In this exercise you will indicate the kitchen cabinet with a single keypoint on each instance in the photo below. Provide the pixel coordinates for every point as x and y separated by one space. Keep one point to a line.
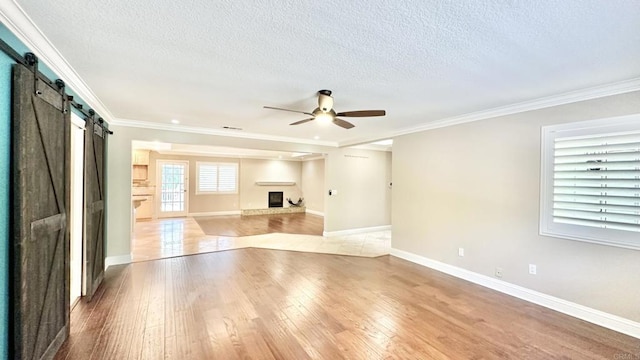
140 157
140 160
140 172
146 208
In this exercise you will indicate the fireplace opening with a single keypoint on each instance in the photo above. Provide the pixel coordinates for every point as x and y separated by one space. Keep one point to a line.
276 199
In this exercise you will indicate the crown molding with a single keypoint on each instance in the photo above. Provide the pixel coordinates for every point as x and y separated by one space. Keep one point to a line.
595 92
217 132
19 23
369 146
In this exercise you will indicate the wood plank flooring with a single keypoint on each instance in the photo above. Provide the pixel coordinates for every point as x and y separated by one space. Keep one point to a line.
236 225
269 304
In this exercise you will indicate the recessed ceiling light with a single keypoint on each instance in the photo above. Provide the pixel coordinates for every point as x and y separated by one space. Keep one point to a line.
279 156
316 137
174 121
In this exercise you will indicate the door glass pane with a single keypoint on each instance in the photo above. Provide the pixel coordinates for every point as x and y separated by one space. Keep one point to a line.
172 187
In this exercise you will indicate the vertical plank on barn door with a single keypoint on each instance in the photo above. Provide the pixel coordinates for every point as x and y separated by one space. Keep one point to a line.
94 154
40 180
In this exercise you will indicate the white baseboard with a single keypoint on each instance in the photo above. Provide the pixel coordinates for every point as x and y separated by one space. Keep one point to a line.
582 312
313 212
355 231
117 260
215 213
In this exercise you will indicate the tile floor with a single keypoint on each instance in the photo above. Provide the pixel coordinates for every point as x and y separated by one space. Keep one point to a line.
163 238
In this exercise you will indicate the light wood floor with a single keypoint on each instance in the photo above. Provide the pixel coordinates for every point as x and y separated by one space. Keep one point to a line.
236 225
271 304
165 238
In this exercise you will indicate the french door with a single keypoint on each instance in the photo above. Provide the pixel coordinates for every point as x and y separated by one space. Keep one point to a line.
173 188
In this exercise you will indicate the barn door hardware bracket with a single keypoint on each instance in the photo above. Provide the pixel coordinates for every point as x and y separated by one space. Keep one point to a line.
31 60
101 122
61 87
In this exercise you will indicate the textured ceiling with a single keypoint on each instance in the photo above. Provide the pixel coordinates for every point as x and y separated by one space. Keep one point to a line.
216 63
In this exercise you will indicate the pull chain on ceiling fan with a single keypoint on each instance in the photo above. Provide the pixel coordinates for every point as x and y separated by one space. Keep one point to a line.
325 112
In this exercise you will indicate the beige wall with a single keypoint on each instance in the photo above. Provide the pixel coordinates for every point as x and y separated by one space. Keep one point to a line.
477 186
313 188
198 203
362 179
254 196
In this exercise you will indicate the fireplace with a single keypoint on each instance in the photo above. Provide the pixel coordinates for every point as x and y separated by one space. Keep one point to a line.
276 199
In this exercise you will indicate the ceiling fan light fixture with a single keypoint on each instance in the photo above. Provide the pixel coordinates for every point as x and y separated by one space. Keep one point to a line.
324 113
324 118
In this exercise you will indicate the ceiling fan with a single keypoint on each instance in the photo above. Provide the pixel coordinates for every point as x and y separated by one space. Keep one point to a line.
325 113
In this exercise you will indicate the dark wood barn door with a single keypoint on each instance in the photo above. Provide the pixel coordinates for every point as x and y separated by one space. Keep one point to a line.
94 162
39 217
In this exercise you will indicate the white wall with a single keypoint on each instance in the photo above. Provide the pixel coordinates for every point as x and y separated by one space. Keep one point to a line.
477 186
253 196
313 185
362 179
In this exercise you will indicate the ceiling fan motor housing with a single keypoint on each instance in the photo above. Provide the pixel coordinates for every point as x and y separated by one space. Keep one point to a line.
325 101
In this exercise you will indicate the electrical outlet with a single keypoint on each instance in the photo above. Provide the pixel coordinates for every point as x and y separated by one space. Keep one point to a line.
460 251
533 269
498 272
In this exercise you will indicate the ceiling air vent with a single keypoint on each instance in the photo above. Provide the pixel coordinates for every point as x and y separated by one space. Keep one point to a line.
231 128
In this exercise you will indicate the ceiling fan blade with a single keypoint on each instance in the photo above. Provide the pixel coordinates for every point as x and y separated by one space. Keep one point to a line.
362 113
295 111
301 121
343 123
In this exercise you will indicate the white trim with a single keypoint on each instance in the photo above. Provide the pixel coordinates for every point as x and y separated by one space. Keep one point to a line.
218 132
355 231
215 213
313 212
595 92
582 312
117 260
19 23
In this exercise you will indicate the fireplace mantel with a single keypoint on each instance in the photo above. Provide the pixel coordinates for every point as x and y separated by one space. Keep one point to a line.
275 183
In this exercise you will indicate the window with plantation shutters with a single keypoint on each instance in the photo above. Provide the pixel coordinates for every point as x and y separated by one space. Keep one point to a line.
216 178
591 181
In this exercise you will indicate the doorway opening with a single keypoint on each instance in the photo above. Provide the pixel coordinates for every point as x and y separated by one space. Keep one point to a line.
77 198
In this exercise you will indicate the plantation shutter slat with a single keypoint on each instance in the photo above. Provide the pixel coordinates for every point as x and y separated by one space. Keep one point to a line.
208 177
597 181
227 178
217 177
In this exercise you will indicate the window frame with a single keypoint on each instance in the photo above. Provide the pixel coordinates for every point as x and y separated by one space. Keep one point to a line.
602 236
217 165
